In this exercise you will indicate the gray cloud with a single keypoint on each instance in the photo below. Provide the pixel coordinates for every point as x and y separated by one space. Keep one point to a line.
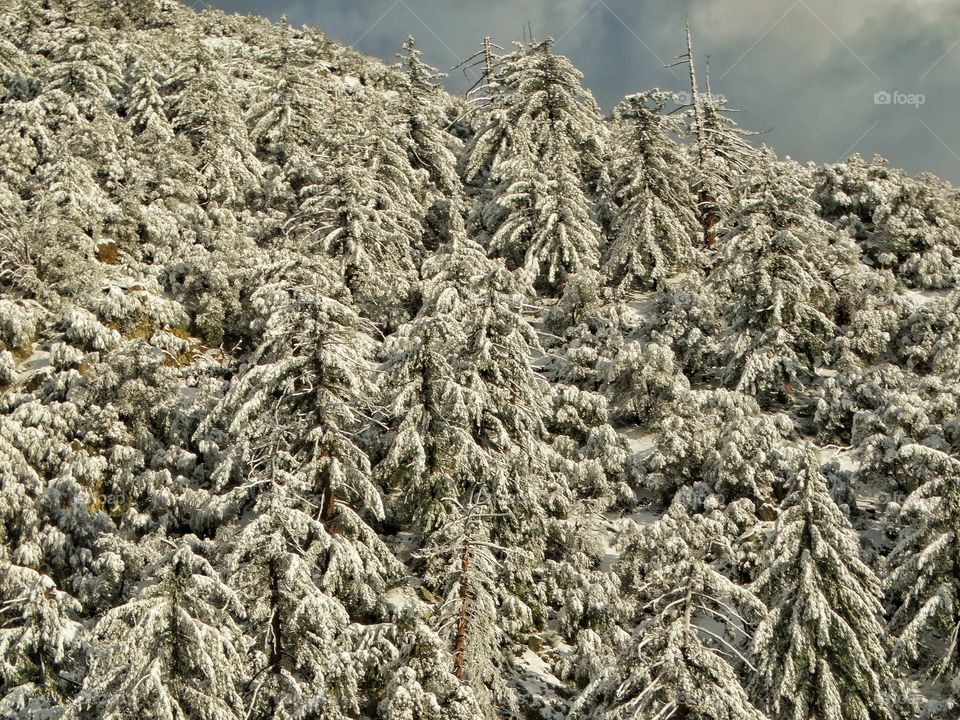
806 71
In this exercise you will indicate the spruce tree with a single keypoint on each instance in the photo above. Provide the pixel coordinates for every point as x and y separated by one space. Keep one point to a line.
925 571
655 221
540 156
820 651
684 658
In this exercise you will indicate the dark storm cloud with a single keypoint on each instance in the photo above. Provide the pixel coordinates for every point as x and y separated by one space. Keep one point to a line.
805 71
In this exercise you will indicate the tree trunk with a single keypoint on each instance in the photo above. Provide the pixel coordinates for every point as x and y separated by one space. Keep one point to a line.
276 649
460 638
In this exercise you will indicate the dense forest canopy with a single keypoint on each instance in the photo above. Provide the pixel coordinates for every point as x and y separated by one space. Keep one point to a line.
327 394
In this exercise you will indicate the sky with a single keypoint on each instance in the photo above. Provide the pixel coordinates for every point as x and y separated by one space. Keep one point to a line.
820 79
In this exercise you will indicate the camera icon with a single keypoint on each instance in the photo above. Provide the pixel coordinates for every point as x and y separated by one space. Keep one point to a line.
882 98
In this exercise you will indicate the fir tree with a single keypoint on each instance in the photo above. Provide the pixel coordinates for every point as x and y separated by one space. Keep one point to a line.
676 665
820 651
925 566
655 221
172 651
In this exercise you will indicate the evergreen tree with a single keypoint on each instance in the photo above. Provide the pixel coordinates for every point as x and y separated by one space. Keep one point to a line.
173 651
820 651
40 642
541 154
655 220
925 567
777 279
677 664
363 213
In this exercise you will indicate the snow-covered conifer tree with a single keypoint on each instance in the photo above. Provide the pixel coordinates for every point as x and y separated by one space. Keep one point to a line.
294 101
40 641
173 650
684 658
467 615
655 220
820 651
776 280
542 153
925 572
357 205
421 112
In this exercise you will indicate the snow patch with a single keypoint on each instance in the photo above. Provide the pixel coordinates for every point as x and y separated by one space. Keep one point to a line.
843 456
640 441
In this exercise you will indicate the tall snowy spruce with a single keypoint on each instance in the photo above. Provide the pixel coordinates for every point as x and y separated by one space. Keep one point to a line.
655 224
538 158
925 573
357 206
173 651
778 280
687 651
819 652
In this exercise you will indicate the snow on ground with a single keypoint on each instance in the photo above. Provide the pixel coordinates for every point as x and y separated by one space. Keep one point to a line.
39 361
843 456
642 303
645 517
925 297
641 441
538 689
930 698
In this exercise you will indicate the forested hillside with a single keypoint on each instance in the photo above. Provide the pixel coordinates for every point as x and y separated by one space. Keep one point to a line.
326 394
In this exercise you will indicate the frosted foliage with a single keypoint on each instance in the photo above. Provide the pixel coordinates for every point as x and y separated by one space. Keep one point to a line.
688 645
720 438
328 394
542 149
929 338
777 266
40 640
172 651
911 226
294 408
925 567
819 652
655 224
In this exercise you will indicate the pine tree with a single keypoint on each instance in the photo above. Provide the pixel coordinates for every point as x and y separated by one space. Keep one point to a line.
40 642
294 101
467 614
205 108
677 665
172 651
363 213
541 154
720 153
820 651
925 567
777 279
430 455
655 221
300 633
296 409
421 115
